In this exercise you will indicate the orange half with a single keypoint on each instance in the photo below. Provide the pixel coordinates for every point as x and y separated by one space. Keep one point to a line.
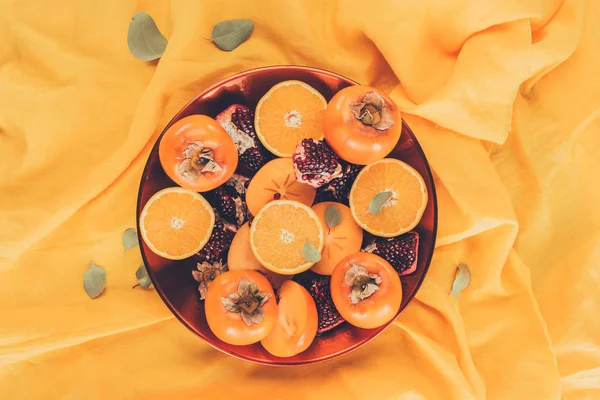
278 235
403 211
176 223
289 112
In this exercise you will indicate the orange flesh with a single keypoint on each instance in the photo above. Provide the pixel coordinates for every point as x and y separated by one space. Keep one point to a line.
289 112
176 223
278 235
403 211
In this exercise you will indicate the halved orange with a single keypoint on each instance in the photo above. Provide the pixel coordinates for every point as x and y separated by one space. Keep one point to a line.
406 203
289 112
176 223
279 234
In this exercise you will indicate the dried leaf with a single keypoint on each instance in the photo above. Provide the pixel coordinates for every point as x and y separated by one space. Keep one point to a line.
310 252
462 280
333 216
144 39
228 35
94 279
379 201
231 302
142 277
130 239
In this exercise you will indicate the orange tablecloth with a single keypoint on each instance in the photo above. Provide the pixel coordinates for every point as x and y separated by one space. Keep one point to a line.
502 94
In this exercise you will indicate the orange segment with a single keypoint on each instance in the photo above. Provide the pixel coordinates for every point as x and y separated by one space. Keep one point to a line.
276 181
176 223
289 112
340 240
279 232
406 206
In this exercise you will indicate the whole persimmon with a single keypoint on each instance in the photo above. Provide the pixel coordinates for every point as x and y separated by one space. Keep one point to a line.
362 124
197 153
343 236
296 325
366 290
240 307
276 181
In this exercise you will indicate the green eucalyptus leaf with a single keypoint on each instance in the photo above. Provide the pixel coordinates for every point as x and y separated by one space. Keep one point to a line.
144 39
462 280
310 253
130 239
333 216
228 35
379 201
94 279
143 278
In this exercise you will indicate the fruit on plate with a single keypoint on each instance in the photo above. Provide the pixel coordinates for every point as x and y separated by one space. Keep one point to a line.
289 112
388 198
238 121
366 290
320 290
197 153
229 200
240 256
176 223
217 246
401 252
362 124
282 235
296 324
339 188
343 236
240 307
275 181
315 162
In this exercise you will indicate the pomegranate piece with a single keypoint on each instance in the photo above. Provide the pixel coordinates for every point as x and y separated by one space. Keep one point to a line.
339 188
315 163
229 200
238 121
319 289
218 244
401 252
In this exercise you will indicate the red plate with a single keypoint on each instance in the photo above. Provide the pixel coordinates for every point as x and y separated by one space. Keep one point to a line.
173 279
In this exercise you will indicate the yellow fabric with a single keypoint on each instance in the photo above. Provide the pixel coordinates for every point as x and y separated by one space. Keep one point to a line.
502 94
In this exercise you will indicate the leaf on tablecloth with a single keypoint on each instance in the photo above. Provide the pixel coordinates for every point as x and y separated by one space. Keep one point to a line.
143 278
130 239
144 39
94 279
228 35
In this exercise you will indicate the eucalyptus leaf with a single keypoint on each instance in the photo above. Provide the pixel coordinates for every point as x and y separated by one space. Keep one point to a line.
379 201
144 39
310 252
462 280
333 216
94 279
228 35
130 239
142 277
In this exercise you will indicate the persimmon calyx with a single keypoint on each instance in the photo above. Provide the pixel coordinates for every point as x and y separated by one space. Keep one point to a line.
247 301
205 274
198 160
363 284
372 110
